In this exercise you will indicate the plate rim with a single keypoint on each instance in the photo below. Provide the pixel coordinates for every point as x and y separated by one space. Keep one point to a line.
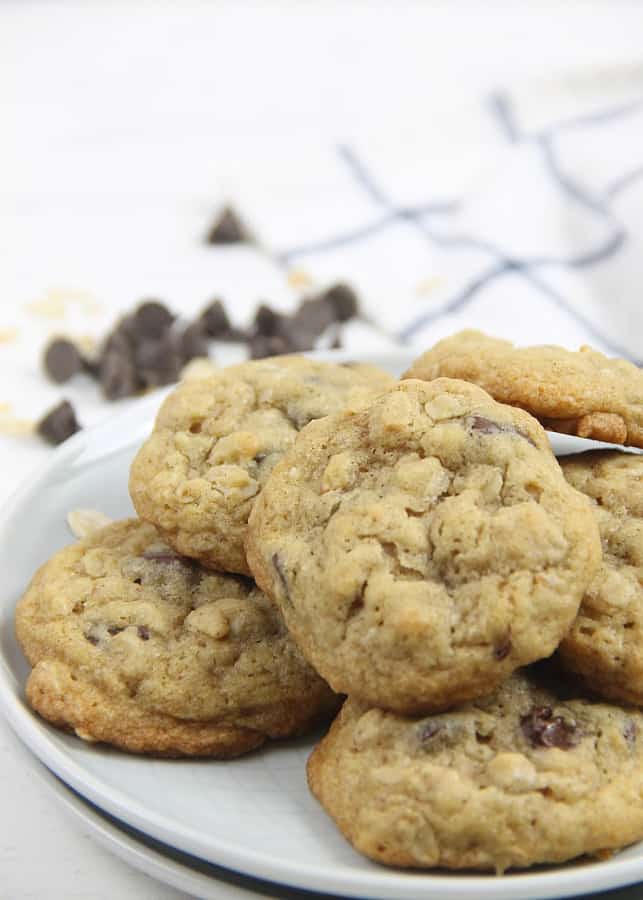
381 883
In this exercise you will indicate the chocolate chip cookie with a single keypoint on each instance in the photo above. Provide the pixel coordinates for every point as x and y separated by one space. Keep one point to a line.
582 393
424 547
216 441
524 776
605 644
136 646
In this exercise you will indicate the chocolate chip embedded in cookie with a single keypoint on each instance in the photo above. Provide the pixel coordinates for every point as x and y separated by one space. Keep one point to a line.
136 646
605 643
582 393
424 547
524 776
216 441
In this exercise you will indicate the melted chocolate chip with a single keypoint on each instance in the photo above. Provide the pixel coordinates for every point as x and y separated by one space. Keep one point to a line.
143 632
62 360
228 229
428 730
503 649
115 629
92 639
279 569
482 425
630 731
58 424
542 729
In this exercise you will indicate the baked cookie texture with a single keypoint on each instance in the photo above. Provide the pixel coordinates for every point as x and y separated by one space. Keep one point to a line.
423 548
605 643
524 776
216 441
135 646
582 393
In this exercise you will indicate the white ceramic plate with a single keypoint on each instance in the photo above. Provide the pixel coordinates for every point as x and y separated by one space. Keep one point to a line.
253 815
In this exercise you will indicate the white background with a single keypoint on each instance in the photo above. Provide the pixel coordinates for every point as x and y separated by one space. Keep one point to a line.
124 125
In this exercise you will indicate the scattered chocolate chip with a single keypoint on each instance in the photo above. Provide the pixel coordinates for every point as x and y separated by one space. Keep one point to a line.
503 649
630 731
259 346
192 342
158 361
58 424
482 425
337 342
428 730
266 321
315 315
228 229
115 629
62 360
153 319
279 569
344 300
215 319
143 632
118 375
543 729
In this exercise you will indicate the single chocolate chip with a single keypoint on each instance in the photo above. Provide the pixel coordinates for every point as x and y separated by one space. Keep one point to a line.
62 360
118 375
482 425
115 629
58 424
266 321
279 569
630 732
143 632
158 361
428 730
315 315
503 649
215 319
543 729
344 300
228 229
152 319
192 342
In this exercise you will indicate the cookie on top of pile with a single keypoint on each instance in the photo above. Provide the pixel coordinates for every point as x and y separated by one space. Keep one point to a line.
425 549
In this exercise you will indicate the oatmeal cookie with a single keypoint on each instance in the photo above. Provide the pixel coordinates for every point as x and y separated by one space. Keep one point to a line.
527 775
582 393
605 644
217 439
423 548
138 647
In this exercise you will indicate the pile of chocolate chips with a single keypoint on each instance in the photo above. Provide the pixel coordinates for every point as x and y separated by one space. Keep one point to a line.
148 347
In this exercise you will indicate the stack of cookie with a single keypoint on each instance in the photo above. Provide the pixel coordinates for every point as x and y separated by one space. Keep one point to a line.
417 547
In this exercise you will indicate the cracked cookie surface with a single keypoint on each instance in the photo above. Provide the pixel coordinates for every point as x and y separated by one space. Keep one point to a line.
423 548
527 775
605 643
583 393
216 440
138 647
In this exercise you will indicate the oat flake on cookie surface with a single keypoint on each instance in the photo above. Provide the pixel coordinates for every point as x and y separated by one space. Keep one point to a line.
138 647
424 547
